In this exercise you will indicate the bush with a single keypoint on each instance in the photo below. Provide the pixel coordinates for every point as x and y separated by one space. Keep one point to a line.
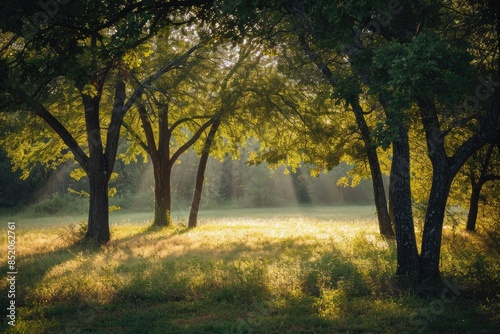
58 204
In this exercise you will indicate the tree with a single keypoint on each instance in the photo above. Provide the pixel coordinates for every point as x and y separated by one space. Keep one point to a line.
230 92
408 65
165 105
486 174
392 59
87 49
446 165
315 43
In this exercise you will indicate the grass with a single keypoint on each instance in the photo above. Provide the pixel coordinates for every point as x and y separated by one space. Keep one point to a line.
308 270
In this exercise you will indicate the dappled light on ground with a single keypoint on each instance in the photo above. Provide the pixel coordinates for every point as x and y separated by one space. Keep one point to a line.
292 273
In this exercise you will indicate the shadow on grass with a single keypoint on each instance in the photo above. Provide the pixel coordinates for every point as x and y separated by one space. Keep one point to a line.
269 286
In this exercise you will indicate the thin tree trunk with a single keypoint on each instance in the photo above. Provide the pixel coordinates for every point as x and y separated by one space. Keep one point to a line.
200 176
473 208
384 220
477 186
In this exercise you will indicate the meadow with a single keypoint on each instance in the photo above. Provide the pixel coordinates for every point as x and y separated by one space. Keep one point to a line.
286 270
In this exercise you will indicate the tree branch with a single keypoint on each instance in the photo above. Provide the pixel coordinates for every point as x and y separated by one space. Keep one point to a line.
187 119
58 127
113 134
190 142
167 67
136 136
148 131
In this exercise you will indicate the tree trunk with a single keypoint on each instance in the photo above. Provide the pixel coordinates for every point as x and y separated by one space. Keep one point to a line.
473 208
477 186
433 226
444 169
384 220
407 253
200 175
98 223
391 194
198 190
163 197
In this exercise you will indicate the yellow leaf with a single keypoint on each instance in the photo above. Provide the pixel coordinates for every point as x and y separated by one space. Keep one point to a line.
78 173
343 181
90 90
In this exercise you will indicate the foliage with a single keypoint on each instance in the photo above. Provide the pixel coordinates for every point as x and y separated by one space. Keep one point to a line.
57 204
425 67
16 192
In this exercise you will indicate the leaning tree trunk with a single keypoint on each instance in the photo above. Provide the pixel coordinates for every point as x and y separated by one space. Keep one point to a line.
407 253
98 223
473 208
384 219
200 175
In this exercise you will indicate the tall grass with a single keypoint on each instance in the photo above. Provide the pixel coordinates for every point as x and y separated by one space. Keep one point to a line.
266 273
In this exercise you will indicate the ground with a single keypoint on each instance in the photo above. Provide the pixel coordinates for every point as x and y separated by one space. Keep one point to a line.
288 270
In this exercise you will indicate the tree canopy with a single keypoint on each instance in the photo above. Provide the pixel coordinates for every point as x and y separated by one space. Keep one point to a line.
402 88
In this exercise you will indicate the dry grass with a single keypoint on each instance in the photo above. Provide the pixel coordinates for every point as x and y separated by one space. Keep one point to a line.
266 273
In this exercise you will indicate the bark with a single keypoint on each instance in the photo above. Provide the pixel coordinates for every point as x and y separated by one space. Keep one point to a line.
433 226
400 205
444 169
474 200
407 253
384 219
98 173
473 208
229 99
163 199
391 194
98 222
100 161
440 187
200 176
162 157
477 186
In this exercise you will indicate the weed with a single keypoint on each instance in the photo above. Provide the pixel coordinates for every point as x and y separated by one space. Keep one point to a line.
73 233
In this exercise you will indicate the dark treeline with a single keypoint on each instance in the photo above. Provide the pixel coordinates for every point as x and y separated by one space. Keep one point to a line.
229 183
